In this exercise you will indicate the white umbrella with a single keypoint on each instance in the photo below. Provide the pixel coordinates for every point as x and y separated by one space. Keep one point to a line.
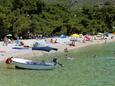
9 35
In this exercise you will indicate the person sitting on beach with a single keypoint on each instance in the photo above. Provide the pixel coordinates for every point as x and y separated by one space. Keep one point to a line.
22 44
51 41
72 44
55 41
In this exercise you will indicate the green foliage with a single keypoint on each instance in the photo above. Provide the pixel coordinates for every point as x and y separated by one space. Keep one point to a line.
63 16
21 24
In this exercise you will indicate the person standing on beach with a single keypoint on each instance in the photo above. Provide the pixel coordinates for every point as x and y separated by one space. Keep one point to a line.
5 41
17 41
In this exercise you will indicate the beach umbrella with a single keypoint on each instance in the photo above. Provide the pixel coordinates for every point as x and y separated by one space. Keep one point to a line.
75 35
62 36
9 35
100 33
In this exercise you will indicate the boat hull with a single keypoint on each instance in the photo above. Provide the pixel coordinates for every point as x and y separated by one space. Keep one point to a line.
28 64
46 48
18 47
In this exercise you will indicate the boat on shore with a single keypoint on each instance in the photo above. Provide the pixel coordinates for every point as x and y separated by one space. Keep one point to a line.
45 48
29 64
20 47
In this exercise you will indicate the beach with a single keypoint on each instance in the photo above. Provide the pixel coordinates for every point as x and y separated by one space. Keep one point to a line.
7 51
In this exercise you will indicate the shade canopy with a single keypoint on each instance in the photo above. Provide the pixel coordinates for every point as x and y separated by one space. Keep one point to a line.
75 35
9 35
62 36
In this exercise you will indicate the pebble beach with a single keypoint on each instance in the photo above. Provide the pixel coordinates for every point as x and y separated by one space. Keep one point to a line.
7 51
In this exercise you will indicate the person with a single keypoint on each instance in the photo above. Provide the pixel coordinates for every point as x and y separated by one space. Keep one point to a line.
72 43
36 44
55 60
55 41
51 40
8 62
66 54
21 44
94 55
5 41
17 41
66 51
21 37
105 40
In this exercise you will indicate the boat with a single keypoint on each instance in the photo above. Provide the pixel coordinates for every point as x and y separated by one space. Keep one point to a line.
20 47
29 64
45 48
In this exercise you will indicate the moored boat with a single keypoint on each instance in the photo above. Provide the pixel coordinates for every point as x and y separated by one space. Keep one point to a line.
29 64
45 48
20 47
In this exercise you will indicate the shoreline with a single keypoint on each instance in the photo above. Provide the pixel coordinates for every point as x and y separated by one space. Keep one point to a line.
29 53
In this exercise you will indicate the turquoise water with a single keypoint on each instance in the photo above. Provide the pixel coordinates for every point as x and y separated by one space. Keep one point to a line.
92 66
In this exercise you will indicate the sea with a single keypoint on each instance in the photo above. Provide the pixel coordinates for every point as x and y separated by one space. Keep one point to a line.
91 66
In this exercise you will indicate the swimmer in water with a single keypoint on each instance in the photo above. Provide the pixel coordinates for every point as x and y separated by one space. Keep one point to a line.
94 55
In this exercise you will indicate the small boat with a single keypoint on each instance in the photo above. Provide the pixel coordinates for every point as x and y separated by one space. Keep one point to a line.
45 48
19 47
29 64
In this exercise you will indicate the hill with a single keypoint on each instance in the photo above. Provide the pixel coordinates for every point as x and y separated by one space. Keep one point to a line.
79 3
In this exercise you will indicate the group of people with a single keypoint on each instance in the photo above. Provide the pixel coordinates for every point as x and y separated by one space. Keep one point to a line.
6 41
53 41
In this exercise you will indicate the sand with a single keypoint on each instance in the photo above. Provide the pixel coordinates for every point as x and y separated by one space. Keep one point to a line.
7 51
